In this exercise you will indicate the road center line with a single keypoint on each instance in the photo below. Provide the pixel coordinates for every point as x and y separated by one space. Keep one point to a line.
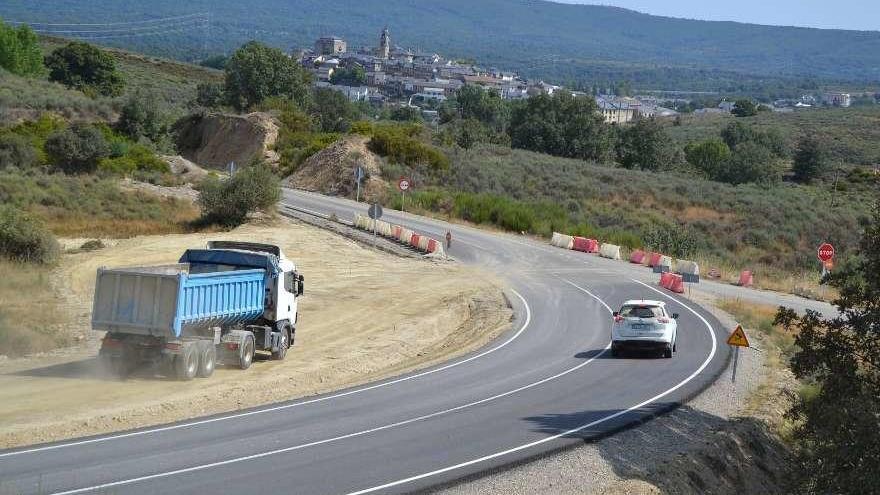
286 406
359 433
571 431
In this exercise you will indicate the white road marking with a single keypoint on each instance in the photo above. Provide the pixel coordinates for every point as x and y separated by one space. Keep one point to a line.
359 433
286 406
565 433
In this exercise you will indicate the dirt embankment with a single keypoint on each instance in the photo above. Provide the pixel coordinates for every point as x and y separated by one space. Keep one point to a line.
214 140
331 170
365 315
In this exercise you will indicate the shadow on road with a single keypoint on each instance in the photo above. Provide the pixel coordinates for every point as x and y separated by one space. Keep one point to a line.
684 451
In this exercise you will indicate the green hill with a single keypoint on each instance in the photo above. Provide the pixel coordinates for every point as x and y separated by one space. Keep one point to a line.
537 38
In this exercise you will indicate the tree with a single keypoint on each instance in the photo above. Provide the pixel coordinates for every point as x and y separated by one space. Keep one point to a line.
750 162
20 51
332 110
142 117
77 149
352 76
215 62
642 146
486 106
17 151
809 158
228 203
256 72
84 67
737 133
25 238
837 422
561 125
744 108
708 156
402 113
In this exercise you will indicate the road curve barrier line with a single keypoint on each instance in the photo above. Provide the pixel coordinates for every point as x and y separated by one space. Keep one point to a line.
565 433
287 406
349 435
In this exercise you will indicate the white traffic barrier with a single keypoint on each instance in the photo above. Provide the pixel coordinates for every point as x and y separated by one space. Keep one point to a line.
689 270
435 248
610 251
562 241
405 235
386 229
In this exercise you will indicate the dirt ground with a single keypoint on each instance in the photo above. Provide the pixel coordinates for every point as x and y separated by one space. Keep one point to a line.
365 315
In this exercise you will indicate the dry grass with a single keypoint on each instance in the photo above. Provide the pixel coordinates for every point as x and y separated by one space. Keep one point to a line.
30 318
179 220
759 317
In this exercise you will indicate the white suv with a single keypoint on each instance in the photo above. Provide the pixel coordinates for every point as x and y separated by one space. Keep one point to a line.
642 324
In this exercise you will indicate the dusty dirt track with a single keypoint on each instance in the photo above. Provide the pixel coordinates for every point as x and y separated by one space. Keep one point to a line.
366 315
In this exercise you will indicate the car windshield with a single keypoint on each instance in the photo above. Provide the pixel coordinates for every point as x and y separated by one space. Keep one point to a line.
631 311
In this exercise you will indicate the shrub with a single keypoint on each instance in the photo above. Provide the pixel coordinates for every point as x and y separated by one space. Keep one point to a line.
708 156
24 238
17 151
399 145
210 95
809 158
85 67
136 158
142 117
20 51
674 240
750 162
230 202
77 149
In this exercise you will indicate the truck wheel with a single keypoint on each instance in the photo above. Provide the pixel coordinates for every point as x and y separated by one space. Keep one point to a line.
186 365
207 359
282 346
246 353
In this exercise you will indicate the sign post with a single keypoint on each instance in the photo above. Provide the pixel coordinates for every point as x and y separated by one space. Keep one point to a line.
737 339
375 212
403 184
358 177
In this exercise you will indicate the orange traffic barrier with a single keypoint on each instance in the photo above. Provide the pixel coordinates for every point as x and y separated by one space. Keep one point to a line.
395 231
414 240
676 284
665 280
746 279
432 245
637 256
654 259
592 246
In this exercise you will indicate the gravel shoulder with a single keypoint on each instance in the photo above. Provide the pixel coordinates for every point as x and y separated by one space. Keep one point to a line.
366 315
720 442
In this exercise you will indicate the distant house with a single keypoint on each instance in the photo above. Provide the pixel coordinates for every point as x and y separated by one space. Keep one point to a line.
330 45
726 106
614 111
834 99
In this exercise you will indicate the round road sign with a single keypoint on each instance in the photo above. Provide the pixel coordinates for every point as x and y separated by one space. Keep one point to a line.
825 252
403 184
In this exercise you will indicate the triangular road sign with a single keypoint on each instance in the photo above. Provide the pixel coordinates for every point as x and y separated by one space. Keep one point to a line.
738 337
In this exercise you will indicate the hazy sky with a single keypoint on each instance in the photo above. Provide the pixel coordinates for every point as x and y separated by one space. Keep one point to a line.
842 14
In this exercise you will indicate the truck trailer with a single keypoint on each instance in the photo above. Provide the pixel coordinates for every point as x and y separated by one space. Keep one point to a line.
218 305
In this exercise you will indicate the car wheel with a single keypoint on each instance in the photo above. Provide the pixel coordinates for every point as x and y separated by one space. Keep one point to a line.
667 353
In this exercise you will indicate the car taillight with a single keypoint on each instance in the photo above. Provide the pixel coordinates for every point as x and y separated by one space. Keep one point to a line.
172 346
618 319
663 320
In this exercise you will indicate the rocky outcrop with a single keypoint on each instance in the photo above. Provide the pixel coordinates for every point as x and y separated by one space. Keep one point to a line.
215 140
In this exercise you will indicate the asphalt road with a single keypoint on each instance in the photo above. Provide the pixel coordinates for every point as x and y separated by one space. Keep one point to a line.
546 383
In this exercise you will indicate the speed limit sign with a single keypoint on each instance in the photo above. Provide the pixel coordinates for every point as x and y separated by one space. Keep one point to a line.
403 184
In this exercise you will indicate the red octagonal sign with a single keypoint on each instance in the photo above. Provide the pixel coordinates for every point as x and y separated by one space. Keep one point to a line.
826 252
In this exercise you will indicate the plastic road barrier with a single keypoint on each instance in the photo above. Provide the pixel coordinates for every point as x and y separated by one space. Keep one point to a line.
637 257
581 244
562 241
746 279
689 270
610 251
663 265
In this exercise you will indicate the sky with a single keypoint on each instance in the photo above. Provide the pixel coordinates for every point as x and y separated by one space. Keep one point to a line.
838 14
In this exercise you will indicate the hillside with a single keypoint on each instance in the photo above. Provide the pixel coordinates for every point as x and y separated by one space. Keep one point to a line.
538 38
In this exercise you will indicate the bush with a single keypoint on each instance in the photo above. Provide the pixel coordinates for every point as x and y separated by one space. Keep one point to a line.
750 162
230 202
400 146
674 240
85 67
210 95
17 151
809 158
141 117
20 51
708 156
24 238
77 149
135 158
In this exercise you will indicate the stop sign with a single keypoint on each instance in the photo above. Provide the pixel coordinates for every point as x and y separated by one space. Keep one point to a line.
825 252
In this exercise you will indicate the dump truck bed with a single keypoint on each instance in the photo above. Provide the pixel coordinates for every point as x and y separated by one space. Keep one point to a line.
168 300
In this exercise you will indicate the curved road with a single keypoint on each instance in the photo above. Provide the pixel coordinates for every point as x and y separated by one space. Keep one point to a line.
547 383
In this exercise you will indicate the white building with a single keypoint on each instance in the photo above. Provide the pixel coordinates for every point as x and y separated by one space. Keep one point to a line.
834 99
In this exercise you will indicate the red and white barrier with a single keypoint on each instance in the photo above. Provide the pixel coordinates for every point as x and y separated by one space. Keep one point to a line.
637 257
400 234
746 279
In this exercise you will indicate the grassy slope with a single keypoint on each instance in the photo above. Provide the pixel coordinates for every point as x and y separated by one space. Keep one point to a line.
853 133
744 226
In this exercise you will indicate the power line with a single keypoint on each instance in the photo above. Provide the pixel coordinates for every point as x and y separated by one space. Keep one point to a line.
195 22
129 23
131 35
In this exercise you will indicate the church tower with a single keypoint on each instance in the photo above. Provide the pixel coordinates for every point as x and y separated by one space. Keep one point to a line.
385 45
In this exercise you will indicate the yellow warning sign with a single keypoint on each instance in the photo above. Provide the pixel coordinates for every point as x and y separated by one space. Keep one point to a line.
738 337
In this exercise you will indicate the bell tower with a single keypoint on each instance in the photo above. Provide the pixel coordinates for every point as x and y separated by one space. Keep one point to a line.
385 45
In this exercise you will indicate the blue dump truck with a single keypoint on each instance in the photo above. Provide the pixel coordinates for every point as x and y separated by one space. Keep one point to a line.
218 305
